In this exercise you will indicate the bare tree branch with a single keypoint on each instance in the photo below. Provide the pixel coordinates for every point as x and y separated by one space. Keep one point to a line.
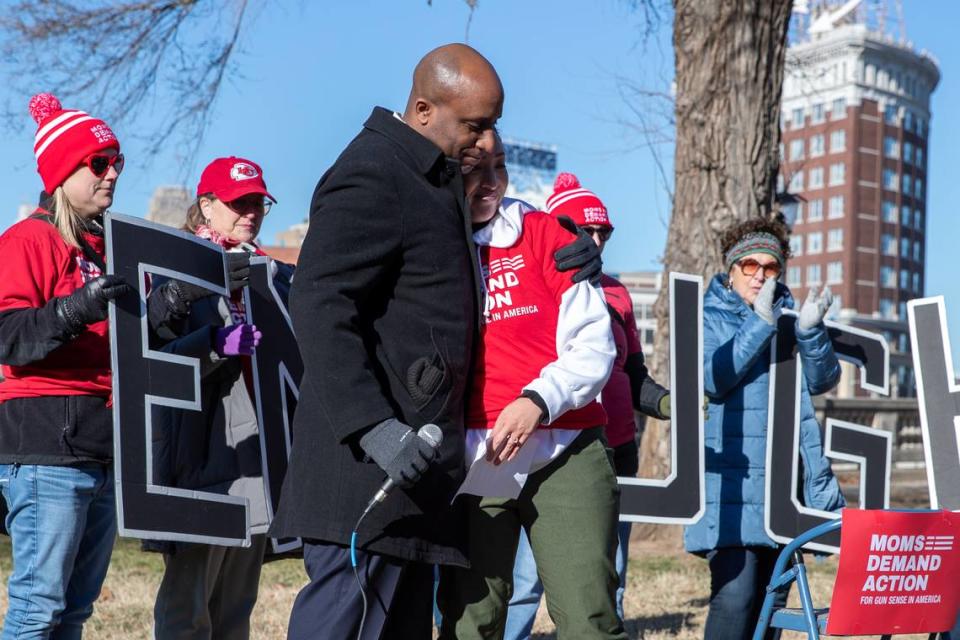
122 58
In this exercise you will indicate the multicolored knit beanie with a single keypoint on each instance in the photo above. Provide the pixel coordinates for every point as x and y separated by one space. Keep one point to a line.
754 242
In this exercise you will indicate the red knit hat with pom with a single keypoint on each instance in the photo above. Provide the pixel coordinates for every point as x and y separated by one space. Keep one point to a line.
65 137
581 205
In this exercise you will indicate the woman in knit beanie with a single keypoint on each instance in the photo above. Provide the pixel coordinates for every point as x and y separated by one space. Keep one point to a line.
741 312
56 431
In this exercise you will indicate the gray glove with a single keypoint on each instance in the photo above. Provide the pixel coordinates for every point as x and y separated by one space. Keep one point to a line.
398 450
815 308
763 305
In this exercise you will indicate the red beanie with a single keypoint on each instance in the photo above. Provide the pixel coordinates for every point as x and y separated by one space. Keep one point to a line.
582 206
65 137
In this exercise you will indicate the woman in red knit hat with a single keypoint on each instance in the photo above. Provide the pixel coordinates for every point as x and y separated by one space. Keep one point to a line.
56 431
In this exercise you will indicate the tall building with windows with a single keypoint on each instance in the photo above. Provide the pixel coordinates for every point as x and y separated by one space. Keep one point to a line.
856 125
532 168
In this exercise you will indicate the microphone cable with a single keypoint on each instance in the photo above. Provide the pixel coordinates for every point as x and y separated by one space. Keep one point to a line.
356 570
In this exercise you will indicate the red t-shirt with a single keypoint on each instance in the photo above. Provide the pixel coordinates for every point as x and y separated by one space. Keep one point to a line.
616 396
519 334
36 265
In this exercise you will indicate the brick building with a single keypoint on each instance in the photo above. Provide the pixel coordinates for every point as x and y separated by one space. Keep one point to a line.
856 123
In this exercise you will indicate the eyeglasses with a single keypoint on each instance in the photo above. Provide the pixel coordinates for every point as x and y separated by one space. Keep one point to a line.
248 204
100 163
749 267
603 233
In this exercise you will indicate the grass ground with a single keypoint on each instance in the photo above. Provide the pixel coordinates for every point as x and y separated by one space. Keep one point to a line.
666 597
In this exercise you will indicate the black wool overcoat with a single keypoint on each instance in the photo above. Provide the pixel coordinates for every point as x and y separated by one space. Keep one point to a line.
385 307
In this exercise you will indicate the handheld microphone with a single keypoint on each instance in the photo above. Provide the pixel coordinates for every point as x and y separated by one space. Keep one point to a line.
433 436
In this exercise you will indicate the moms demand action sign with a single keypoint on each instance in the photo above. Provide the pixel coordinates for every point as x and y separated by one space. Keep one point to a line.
897 573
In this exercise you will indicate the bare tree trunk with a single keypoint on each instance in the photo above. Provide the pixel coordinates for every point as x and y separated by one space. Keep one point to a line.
729 73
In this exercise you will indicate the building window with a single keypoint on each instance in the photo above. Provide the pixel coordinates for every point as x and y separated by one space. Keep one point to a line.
902 311
796 182
902 343
813 275
886 307
796 245
890 114
838 141
921 127
888 277
814 210
836 207
782 157
890 180
918 189
908 121
904 247
916 284
814 242
796 149
905 215
835 240
889 211
817 114
797 118
837 173
888 244
816 178
906 184
838 109
799 217
907 152
904 279
917 256
793 277
780 184
919 157
891 148
816 145
834 272
918 220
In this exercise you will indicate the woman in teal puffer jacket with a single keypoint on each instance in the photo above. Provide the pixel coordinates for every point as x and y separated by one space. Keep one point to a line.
740 314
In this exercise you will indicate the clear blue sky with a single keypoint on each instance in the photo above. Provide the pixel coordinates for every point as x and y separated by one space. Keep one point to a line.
310 72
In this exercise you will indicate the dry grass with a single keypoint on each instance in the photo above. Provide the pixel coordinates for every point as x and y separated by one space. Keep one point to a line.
666 599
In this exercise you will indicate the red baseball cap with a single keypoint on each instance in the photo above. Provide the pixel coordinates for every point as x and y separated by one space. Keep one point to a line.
232 178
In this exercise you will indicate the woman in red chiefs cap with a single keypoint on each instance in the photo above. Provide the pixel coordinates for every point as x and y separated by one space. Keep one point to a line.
209 591
630 388
56 432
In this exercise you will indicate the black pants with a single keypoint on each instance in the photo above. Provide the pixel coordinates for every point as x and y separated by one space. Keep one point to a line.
738 581
399 597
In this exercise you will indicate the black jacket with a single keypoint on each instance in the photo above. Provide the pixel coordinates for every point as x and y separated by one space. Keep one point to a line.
385 306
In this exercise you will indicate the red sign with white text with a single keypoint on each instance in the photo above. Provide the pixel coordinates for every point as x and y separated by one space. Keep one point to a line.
898 573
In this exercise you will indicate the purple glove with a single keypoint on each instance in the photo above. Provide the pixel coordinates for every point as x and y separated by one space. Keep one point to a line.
236 340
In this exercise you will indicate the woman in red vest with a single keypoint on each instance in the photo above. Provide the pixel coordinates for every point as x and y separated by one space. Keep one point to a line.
56 428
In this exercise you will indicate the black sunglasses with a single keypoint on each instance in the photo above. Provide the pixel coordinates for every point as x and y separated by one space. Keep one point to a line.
603 233
100 163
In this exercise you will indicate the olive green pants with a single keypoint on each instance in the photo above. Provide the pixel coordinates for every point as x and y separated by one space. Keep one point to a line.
569 510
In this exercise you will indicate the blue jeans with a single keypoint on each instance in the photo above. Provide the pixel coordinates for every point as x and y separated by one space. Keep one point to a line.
62 523
738 581
527 588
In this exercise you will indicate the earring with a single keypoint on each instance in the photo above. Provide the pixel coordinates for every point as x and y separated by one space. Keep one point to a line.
729 284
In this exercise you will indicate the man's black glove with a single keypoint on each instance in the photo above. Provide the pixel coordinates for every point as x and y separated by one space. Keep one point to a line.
88 304
582 254
398 450
238 267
